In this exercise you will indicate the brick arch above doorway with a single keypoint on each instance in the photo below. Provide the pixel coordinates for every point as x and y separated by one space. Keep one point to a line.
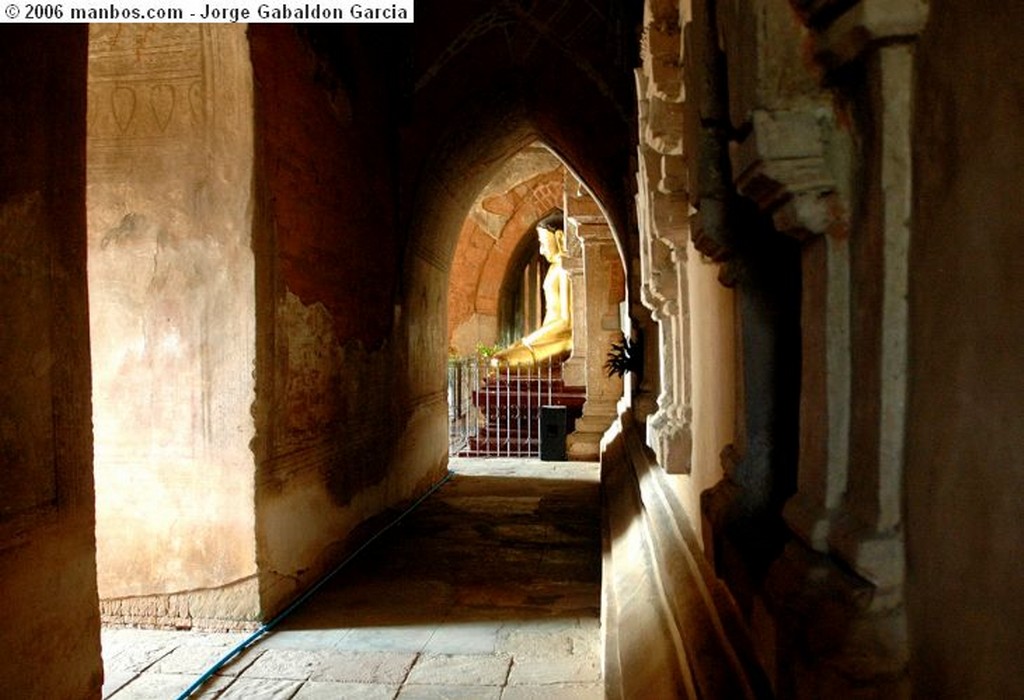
481 257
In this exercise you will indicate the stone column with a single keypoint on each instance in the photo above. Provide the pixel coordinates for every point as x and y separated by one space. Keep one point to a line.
170 173
795 162
574 370
597 323
659 298
782 166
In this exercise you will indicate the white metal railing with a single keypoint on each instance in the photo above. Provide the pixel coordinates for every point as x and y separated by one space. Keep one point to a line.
495 411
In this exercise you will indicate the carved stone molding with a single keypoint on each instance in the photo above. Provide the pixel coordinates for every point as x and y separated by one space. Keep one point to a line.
664 128
662 49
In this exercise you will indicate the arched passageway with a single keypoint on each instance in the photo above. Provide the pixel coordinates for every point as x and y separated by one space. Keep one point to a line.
329 357
497 295
233 367
497 241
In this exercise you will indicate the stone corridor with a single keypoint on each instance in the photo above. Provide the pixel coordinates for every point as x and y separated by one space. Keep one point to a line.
489 589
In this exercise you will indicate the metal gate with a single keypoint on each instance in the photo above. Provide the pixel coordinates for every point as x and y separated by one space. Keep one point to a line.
495 411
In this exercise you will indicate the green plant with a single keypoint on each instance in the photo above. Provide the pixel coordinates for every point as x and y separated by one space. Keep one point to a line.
626 355
486 351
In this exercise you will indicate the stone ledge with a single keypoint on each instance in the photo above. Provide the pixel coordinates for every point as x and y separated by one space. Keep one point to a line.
665 617
231 608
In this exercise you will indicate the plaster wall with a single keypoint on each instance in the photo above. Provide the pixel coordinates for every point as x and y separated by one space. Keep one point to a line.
713 358
49 639
172 317
965 470
341 436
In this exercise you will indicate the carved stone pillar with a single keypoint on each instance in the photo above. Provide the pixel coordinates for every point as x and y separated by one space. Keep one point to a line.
597 323
574 370
795 164
671 227
788 159
663 203
665 293
662 306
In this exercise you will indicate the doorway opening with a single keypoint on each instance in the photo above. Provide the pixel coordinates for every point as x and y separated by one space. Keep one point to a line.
509 356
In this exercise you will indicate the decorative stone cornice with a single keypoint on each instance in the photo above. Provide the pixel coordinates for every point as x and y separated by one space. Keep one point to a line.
674 174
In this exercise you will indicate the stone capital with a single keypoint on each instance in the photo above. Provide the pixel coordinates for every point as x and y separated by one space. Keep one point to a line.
663 308
593 235
867 24
782 167
580 207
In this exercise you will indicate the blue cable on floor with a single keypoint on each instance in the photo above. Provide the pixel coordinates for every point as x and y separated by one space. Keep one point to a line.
251 639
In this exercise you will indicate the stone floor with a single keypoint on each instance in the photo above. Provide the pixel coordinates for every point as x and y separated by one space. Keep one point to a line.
490 589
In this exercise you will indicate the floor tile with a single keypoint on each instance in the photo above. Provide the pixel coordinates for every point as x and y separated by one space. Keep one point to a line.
364 667
448 692
410 638
445 669
311 640
260 689
319 690
554 670
464 638
190 659
285 664
166 686
568 691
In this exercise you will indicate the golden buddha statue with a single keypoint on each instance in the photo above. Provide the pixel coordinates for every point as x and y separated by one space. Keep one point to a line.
554 337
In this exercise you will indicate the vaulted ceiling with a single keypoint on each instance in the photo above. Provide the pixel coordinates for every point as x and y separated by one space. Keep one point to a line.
471 81
562 68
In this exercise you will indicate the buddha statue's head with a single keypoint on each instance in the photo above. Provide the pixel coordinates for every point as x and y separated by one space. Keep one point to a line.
552 242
